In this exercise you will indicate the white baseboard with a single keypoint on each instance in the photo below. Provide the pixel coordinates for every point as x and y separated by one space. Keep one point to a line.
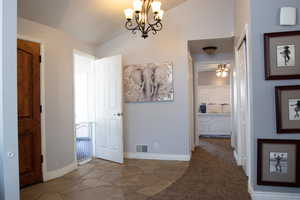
157 156
237 159
261 195
60 172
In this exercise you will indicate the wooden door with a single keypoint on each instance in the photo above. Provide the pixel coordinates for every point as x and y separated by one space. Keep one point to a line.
29 118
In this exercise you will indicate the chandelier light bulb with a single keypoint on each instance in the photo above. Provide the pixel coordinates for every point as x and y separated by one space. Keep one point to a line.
137 5
219 74
155 6
128 13
160 14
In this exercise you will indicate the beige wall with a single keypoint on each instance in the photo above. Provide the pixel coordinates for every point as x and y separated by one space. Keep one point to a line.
59 112
165 126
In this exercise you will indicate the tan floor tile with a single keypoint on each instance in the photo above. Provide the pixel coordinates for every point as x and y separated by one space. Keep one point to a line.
107 180
154 189
54 196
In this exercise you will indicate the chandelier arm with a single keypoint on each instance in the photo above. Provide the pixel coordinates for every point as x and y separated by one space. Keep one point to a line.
158 26
128 26
154 27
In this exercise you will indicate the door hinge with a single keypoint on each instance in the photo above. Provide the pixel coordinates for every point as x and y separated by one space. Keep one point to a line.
41 108
42 158
40 59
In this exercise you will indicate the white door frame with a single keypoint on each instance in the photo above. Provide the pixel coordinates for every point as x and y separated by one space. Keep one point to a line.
43 91
195 107
9 162
78 52
245 37
193 133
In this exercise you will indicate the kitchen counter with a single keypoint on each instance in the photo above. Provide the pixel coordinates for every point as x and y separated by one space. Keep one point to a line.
214 114
214 124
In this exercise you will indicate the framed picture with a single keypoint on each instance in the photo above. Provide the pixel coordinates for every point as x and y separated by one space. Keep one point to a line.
282 55
278 161
152 82
288 109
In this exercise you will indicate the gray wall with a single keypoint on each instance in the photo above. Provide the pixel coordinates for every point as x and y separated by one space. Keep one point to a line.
210 78
58 80
166 126
265 18
9 166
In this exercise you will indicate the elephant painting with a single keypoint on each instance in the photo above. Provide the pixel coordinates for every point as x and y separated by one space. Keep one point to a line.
149 82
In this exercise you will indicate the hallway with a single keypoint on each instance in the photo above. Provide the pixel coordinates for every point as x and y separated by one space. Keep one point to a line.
211 175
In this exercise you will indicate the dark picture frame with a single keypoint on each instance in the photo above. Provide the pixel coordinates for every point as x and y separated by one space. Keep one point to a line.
283 96
265 166
282 40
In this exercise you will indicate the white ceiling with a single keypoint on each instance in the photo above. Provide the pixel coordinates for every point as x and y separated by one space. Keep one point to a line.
92 21
224 45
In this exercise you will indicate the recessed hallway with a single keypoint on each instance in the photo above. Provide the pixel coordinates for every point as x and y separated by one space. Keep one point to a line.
212 174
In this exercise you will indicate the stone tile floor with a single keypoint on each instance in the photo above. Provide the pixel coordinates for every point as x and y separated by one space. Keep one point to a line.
212 174
103 180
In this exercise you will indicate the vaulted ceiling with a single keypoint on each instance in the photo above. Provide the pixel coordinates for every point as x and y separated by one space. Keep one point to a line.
92 21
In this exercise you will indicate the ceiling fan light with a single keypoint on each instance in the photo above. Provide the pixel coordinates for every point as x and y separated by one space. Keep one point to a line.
210 50
224 74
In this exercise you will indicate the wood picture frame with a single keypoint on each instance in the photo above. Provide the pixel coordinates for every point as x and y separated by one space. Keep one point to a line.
287 98
268 171
273 42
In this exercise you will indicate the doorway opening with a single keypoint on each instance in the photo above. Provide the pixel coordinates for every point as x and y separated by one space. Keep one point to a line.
98 108
84 106
221 105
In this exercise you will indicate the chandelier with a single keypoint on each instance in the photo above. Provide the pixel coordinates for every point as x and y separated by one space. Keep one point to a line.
141 19
222 71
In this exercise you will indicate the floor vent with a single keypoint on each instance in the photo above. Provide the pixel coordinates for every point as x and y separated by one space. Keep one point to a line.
141 148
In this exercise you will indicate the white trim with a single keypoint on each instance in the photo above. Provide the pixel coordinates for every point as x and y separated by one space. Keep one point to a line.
157 156
74 107
9 164
261 195
82 53
43 91
246 160
60 172
84 162
237 159
195 86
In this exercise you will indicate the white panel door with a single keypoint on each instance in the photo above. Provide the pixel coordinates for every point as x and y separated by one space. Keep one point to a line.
242 57
108 109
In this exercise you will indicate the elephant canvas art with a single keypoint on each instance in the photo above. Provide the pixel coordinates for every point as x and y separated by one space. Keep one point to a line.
148 82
